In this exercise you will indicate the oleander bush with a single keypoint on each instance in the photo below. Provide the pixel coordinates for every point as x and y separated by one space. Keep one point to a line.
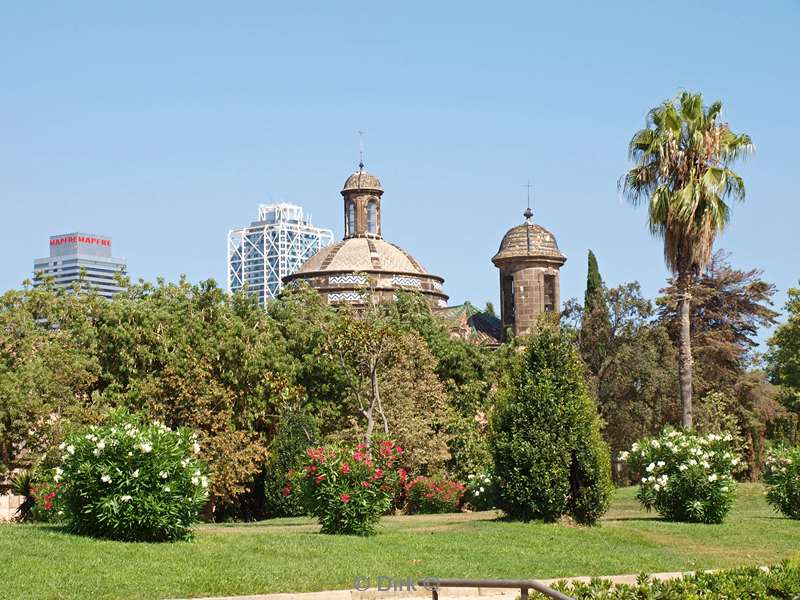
132 480
481 492
432 495
549 458
348 488
684 476
779 581
782 476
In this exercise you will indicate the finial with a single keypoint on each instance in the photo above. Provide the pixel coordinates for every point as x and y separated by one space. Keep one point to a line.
528 214
360 150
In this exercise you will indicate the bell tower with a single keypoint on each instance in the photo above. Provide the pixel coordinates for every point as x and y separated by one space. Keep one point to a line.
362 205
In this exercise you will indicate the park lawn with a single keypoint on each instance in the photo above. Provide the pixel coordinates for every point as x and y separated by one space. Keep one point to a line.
288 555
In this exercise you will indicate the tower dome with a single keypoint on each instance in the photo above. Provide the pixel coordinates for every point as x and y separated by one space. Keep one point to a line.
362 180
529 261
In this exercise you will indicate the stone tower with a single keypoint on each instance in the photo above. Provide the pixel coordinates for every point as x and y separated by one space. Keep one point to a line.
529 261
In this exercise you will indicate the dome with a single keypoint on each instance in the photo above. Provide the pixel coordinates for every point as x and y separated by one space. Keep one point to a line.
362 255
529 240
362 180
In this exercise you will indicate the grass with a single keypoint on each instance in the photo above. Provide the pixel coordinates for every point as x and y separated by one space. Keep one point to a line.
288 555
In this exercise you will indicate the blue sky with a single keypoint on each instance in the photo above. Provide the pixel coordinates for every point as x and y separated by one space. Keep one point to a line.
165 124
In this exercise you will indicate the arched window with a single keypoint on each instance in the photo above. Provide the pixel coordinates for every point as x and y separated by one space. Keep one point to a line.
350 219
372 217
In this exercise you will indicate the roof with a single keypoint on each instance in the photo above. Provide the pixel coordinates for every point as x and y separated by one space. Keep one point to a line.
472 324
529 239
362 180
361 254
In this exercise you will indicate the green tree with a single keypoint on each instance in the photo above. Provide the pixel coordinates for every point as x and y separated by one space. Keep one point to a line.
594 286
783 359
549 457
683 158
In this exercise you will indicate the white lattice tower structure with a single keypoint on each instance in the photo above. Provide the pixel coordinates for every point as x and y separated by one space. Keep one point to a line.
274 246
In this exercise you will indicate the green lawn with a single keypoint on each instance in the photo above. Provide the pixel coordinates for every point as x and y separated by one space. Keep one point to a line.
41 562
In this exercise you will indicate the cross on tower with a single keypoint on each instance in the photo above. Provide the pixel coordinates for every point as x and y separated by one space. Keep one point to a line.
528 214
360 149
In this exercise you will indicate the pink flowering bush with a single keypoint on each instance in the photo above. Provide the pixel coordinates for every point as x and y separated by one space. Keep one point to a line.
684 476
348 488
429 495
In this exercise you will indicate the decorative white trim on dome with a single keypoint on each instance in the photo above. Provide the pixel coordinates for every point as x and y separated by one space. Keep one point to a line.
438 286
442 304
407 281
345 297
347 280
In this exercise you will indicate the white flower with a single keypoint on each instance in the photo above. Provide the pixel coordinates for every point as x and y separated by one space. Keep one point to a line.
656 487
481 488
145 447
705 464
101 445
735 461
105 479
204 481
623 455
185 462
712 477
724 488
163 474
71 449
728 437
135 473
635 448
196 481
476 493
682 468
125 498
130 454
644 479
692 462
166 488
61 446
656 444
470 476
650 467
661 463
196 448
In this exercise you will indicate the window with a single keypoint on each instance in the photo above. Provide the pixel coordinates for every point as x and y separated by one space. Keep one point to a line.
507 300
350 219
372 217
549 293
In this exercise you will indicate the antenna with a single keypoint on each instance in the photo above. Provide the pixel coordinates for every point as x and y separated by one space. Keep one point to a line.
360 149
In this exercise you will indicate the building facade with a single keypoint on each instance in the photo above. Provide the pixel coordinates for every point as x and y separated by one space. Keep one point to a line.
529 261
82 257
276 245
363 261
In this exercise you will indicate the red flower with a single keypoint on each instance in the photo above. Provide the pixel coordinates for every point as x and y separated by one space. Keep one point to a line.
345 468
378 473
287 490
345 498
365 483
319 479
402 473
399 450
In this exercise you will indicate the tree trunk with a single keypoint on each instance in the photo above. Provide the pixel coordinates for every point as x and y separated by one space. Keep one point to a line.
685 346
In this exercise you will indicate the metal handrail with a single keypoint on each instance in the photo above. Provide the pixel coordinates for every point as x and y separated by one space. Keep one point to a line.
523 585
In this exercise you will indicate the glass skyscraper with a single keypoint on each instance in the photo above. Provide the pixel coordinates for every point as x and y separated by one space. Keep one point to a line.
76 255
274 246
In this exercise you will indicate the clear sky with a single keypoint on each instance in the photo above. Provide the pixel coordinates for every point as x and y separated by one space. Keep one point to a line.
164 124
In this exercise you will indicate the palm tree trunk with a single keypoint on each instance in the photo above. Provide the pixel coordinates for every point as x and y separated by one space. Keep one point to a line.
685 346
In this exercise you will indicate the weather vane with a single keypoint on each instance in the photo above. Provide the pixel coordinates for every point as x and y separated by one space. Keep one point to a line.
360 149
528 212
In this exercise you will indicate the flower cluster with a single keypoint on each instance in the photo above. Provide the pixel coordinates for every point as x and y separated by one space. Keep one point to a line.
686 477
47 506
782 476
132 480
481 492
348 488
428 495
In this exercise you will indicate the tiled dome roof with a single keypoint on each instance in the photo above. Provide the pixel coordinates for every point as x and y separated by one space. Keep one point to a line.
362 180
361 255
529 239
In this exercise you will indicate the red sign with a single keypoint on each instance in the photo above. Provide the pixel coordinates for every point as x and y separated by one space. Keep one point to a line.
80 239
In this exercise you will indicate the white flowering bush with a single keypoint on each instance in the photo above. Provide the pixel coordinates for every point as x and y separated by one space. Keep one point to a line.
782 476
132 480
685 477
481 492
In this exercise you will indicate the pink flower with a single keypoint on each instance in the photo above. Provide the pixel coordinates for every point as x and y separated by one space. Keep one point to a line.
345 498
378 473
345 468
402 473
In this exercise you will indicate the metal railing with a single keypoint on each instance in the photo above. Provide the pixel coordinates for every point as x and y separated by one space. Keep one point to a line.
523 585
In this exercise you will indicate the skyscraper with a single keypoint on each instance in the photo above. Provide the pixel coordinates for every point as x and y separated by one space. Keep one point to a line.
274 246
73 255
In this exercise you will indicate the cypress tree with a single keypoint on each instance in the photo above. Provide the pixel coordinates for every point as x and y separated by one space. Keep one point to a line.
594 286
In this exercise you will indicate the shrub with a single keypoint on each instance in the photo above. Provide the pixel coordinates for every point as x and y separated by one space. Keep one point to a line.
296 432
430 495
481 492
686 477
48 502
782 476
348 488
132 480
549 458
779 581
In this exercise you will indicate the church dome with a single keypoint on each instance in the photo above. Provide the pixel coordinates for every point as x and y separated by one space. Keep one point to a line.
529 240
362 255
362 180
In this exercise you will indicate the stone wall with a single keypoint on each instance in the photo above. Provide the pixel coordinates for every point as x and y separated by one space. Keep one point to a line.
9 505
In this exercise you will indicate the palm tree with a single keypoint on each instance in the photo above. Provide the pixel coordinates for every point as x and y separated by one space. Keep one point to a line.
682 171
